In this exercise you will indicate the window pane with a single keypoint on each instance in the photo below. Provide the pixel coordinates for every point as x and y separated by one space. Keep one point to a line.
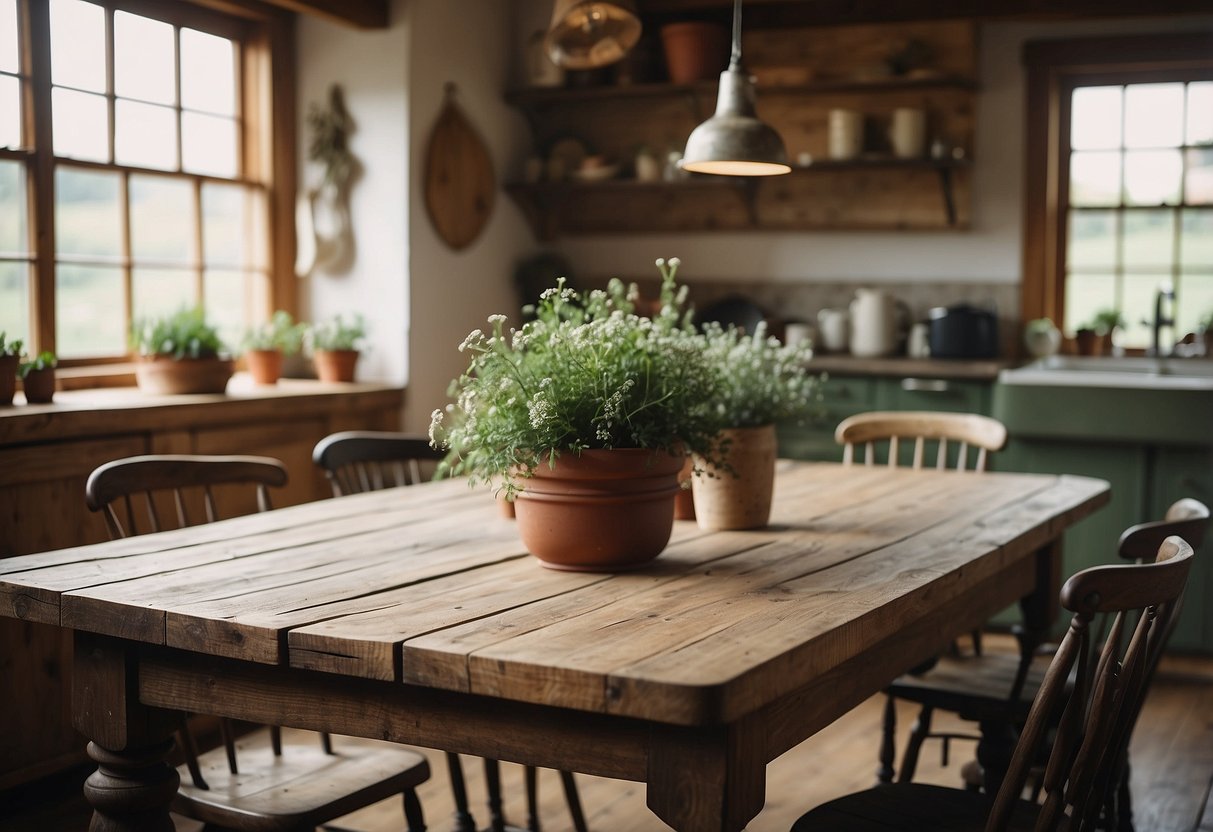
224 223
208 144
8 36
14 237
10 111
1196 240
78 45
1085 295
162 220
1152 177
1091 242
1198 180
1095 178
159 292
1154 115
14 300
1193 301
1149 240
1095 118
146 135
80 125
1200 112
208 73
223 296
144 63
87 218
80 292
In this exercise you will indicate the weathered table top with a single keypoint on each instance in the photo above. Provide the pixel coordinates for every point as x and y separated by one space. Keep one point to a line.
428 586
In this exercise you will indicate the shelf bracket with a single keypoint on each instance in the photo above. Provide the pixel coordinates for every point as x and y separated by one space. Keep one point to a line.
949 200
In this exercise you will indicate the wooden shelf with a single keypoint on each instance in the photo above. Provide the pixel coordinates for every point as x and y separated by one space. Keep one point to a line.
870 194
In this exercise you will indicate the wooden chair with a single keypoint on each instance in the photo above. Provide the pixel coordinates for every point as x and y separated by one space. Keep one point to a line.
995 689
965 429
252 782
893 427
358 461
1090 720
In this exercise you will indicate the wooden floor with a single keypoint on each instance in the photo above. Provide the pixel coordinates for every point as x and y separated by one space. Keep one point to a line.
1172 757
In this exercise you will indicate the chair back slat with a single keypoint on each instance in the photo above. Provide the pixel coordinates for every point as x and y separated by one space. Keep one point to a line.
1088 752
964 429
359 461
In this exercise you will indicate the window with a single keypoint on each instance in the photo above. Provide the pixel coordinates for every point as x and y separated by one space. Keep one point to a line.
1120 173
134 172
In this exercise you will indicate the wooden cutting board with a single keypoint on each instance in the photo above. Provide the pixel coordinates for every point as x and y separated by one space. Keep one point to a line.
459 183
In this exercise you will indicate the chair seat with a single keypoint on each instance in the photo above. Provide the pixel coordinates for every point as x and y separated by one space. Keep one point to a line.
913 807
300 789
974 687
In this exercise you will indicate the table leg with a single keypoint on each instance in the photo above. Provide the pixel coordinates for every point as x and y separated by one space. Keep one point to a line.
133 785
710 779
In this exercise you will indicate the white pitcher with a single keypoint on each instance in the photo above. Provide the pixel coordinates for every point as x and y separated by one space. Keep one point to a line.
873 324
833 325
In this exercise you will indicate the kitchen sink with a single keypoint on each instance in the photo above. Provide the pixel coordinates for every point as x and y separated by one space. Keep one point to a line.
1143 373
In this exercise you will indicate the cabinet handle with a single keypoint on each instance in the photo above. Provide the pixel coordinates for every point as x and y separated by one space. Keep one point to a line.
925 385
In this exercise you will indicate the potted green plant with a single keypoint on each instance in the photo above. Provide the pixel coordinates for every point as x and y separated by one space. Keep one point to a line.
584 417
10 361
180 353
267 344
761 382
38 378
1105 322
336 345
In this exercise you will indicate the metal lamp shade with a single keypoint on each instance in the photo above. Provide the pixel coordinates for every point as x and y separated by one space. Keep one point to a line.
734 142
586 34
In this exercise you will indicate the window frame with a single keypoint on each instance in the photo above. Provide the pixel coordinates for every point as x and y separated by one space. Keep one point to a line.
267 149
1054 69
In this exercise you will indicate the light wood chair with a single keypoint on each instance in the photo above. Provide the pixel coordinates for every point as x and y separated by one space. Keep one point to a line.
251 783
966 430
358 461
1090 719
997 688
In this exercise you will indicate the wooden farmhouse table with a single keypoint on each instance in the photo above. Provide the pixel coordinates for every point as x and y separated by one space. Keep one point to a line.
415 615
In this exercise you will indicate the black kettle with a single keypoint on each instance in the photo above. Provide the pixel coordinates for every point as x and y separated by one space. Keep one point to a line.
963 331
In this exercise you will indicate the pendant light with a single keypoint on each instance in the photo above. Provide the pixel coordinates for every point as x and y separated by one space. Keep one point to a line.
586 34
734 142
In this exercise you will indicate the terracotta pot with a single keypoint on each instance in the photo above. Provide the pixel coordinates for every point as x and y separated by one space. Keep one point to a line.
602 511
740 499
39 386
695 51
335 365
265 366
171 376
8 377
1087 342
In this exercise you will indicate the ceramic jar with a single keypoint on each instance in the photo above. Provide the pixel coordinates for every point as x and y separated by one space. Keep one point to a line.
739 498
873 324
834 327
908 133
845 134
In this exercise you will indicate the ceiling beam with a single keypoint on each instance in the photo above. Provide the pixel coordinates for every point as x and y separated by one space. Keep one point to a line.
363 14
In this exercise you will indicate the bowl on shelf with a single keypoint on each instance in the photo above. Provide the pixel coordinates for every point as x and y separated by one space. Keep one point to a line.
595 173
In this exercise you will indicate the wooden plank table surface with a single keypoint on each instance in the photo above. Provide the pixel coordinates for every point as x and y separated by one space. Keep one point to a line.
415 615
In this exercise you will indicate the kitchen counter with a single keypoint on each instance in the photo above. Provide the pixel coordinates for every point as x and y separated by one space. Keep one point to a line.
976 370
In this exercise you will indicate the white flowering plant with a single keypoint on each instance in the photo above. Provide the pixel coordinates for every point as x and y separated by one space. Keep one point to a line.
760 380
586 372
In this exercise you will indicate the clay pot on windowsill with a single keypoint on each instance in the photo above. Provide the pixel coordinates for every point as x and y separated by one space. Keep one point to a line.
265 366
1087 342
335 365
39 386
164 375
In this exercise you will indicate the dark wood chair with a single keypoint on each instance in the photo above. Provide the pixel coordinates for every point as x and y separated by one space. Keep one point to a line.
1087 705
887 430
250 783
995 689
358 461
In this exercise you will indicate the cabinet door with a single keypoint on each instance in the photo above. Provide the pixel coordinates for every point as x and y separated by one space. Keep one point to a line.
935 394
1178 473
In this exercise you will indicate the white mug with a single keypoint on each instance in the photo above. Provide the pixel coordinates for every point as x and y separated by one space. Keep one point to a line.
919 344
835 328
797 333
908 133
845 135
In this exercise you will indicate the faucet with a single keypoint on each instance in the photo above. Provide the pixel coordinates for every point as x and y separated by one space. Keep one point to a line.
1165 293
